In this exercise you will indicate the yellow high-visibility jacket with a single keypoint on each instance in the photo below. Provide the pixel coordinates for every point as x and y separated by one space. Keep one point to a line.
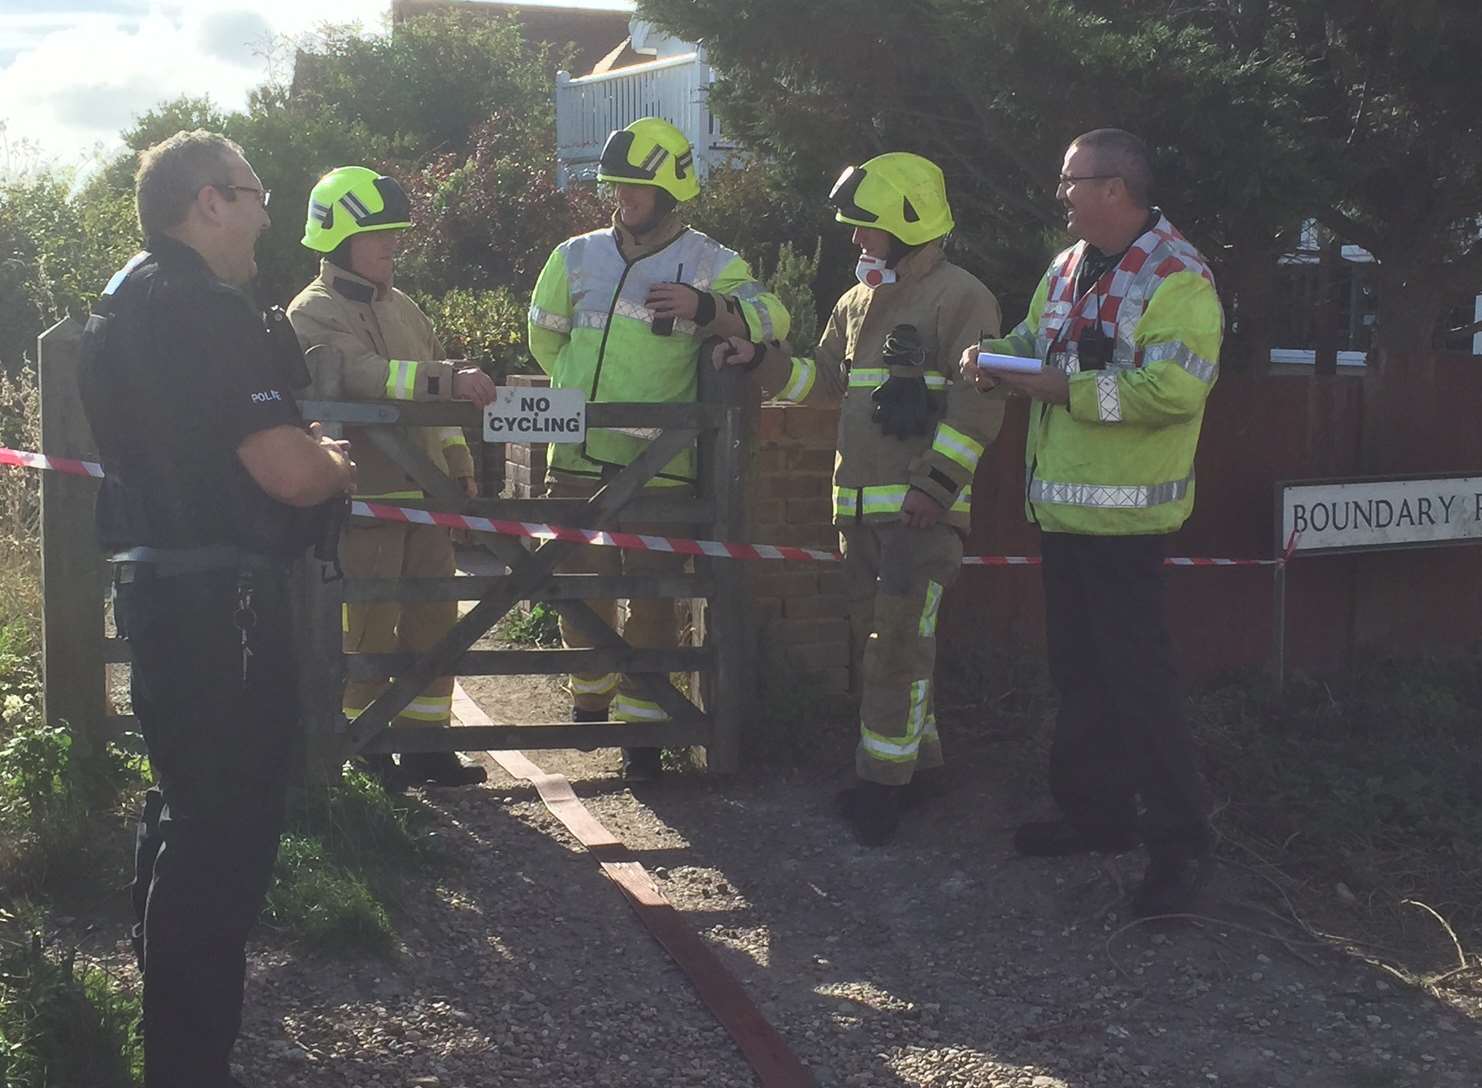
1118 459
590 330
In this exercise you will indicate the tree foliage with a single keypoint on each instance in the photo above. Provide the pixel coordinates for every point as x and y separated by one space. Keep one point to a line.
57 249
1261 113
427 88
492 215
456 106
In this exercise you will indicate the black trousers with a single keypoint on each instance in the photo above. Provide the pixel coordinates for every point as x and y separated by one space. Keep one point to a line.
219 743
1121 733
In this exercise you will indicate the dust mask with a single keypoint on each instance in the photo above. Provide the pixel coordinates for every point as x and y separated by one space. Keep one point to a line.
872 272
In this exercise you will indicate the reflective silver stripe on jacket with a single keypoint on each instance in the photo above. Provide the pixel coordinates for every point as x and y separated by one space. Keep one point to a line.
544 319
1177 352
594 268
749 293
1109 496
593 319
861 377
1108 398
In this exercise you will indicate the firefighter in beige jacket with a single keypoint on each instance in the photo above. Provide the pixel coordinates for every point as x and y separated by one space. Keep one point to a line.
910 438
388 350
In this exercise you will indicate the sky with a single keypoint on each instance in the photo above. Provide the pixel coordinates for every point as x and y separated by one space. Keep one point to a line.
74 73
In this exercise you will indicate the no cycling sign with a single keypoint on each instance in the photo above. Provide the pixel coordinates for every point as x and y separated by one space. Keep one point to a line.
536 415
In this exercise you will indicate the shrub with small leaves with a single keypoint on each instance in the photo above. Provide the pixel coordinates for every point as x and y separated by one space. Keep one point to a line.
64 1022
484 327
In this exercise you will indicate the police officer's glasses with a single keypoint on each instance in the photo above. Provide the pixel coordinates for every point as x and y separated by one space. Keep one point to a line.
1071 179
264 195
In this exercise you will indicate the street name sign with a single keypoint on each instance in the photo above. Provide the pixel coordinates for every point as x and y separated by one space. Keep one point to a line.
1379 513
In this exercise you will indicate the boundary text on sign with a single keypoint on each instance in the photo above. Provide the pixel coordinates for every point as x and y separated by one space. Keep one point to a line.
1380 513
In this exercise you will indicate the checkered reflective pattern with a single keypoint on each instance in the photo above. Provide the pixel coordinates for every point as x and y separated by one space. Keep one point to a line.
1110 496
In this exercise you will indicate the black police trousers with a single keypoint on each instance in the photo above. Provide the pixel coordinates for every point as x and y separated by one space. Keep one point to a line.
219 740
1120 734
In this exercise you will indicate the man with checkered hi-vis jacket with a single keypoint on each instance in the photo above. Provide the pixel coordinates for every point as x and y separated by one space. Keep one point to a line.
1128 325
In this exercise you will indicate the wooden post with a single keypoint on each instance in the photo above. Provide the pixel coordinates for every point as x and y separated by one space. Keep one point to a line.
317 607
72 582
728 689
1278 630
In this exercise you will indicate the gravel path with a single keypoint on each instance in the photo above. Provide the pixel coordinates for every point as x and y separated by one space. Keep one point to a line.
940 960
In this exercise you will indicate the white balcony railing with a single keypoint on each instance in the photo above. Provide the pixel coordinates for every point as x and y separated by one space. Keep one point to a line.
677 88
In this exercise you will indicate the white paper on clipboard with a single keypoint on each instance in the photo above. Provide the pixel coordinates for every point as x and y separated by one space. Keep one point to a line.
1008 364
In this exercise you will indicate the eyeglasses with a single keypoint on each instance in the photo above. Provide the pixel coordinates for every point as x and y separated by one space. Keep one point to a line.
1070 179
264 195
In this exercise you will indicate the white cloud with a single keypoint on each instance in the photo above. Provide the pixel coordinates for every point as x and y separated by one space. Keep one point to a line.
73 73
77 77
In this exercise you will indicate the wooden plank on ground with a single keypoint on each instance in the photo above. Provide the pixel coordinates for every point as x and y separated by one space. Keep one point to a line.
760 1043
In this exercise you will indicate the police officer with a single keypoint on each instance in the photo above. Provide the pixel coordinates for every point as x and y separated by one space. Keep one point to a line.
212 483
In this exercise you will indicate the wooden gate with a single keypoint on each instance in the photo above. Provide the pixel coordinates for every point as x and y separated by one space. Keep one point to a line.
75 651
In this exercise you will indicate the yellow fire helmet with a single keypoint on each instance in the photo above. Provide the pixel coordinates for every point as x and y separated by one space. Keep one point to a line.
352 200
651 151
898 192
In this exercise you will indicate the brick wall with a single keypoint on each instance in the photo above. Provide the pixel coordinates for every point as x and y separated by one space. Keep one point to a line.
799 608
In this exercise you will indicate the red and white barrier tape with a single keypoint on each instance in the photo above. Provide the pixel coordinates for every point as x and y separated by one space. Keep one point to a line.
538 530
23 459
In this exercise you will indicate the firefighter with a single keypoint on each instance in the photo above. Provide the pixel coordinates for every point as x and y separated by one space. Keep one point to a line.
388 350
620 314
910 438
1129 325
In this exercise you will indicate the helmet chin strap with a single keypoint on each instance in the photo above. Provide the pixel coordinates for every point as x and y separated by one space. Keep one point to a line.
654 219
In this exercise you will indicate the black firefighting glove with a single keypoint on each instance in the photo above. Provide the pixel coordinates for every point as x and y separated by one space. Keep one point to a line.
903 406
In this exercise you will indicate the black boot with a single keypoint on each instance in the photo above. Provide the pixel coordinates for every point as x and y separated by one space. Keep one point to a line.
925 786
1061 838
588 717
872 811
1171 886
642 764
441 769
384 770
